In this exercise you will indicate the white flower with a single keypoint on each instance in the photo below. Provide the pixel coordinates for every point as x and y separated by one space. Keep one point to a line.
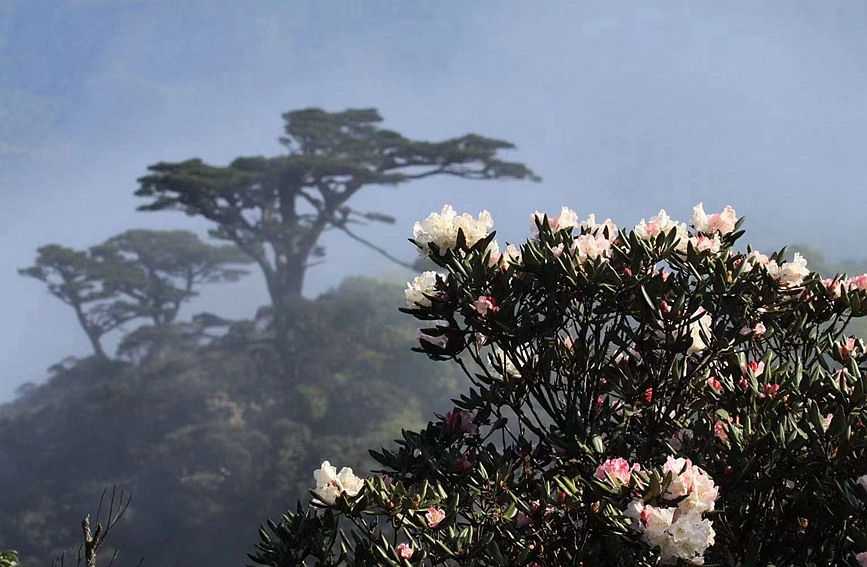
441 229
330 484
567 220
591 227
656 522
418 288
723 222
789 274
697 329
862 481
689 536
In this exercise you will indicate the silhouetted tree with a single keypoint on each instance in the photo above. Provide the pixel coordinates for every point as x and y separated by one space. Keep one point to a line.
140 273
77 279
275 209
158 270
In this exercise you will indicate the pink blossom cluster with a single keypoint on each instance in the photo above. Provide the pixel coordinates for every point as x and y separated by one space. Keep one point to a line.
679 532
462 421
616 471
434 516
837 286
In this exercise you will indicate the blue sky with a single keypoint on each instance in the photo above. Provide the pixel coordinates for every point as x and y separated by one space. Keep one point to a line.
622 107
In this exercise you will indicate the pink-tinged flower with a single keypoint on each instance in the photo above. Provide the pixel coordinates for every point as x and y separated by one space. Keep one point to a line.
826 421
851 347
523 519
440 341
703 243
769 391
723 222
834 286
485 304
755 368
463 421
665 307
648 395
618 469
862 481
567 219
567 342
590 247
858 282
714 383
404 551
558 250
434 516
756 331
861 558
658 224
624 357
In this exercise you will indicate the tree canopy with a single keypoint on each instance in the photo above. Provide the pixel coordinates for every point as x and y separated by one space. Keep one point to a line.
137 274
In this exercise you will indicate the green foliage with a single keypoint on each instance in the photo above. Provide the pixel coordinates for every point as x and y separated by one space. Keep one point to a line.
725 377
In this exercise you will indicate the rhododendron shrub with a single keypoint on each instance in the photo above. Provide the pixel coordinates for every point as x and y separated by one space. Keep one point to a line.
660 395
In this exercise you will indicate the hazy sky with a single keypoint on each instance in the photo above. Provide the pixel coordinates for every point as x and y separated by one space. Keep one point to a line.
622 107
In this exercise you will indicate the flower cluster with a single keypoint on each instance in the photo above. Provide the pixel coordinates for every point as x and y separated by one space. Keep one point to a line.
419 291
567 220
618 470
676 526
330 484
441 229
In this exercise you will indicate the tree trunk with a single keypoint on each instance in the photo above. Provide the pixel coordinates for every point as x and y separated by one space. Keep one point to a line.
285 286
93 335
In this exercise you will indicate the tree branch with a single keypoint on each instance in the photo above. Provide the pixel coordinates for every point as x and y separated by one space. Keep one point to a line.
376 248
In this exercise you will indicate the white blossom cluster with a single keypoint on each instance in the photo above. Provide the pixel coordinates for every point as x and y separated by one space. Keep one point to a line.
441 229
681 532
330 484
420 289
789 274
